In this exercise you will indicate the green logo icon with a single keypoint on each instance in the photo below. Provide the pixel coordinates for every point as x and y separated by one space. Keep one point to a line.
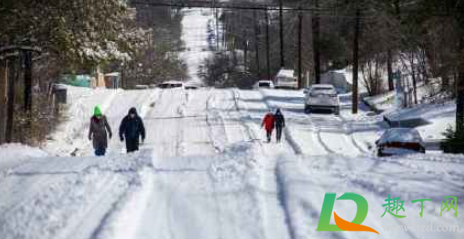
341 224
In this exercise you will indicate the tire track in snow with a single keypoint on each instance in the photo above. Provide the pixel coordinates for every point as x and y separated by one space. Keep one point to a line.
321 136
175 130
33 189
288 134
73 192
229 111
213 119
123 220
287 219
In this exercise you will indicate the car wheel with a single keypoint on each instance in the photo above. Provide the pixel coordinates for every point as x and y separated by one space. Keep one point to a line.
337 110
379 153
307 109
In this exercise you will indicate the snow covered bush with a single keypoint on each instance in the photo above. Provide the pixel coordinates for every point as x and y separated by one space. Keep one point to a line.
79 32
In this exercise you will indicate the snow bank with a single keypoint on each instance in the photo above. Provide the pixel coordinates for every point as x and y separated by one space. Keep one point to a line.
68 197
438 118
15 154
72 133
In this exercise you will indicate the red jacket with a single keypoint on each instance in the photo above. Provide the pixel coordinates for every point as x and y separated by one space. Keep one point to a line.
268 122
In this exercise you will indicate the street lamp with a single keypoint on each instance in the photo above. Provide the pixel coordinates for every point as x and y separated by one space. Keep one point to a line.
122 76
137 68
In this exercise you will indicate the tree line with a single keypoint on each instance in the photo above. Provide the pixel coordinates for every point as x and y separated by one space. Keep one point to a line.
422 38
41 40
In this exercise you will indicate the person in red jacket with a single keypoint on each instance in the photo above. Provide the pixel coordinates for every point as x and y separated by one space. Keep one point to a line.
268 124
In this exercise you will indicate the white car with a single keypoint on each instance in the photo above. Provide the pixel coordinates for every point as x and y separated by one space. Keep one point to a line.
141 87
191 87
171 84
322 97
263 84
286 79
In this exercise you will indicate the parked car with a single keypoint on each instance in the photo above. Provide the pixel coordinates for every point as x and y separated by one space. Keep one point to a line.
286 79
264 84
141 87
400 141
190 87
322 97
171 84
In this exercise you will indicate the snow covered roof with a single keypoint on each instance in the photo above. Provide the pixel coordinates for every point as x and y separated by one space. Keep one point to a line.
172 82
112 74
286 73
402 135
60 87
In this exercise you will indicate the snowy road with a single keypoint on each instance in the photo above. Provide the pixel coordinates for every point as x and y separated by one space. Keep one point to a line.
205 171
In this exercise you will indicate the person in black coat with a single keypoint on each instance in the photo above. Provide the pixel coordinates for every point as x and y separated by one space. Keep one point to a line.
131 130
279 121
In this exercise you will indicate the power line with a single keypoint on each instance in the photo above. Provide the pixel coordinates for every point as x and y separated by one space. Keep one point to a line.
225 5
324 12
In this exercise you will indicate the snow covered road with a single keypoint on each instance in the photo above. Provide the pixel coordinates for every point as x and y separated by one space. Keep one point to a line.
205 171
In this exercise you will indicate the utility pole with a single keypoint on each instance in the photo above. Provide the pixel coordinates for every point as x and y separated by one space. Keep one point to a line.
300 34
27 81
460 90
3 86
391 84
413 74
245 57
355 60
281 22
225 30
316 40
257 32
268 58
217 27
122 79
12 78
390 70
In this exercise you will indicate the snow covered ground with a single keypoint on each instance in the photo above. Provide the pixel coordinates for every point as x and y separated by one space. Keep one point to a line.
205 171
195 35
71 137
438 117
15 154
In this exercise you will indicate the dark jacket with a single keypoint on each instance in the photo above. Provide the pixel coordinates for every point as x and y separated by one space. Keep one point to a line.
132 128
279 120
98 132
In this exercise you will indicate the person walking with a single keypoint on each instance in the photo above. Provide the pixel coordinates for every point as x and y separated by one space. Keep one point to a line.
268 124
279 124
99 132
131 129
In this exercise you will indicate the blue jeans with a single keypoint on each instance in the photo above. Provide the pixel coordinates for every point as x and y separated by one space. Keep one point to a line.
100 152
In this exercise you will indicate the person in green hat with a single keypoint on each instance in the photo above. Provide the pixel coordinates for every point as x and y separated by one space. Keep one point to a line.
99 132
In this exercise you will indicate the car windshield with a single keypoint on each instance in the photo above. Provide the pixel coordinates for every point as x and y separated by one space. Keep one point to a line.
264 84
323 91
285 79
